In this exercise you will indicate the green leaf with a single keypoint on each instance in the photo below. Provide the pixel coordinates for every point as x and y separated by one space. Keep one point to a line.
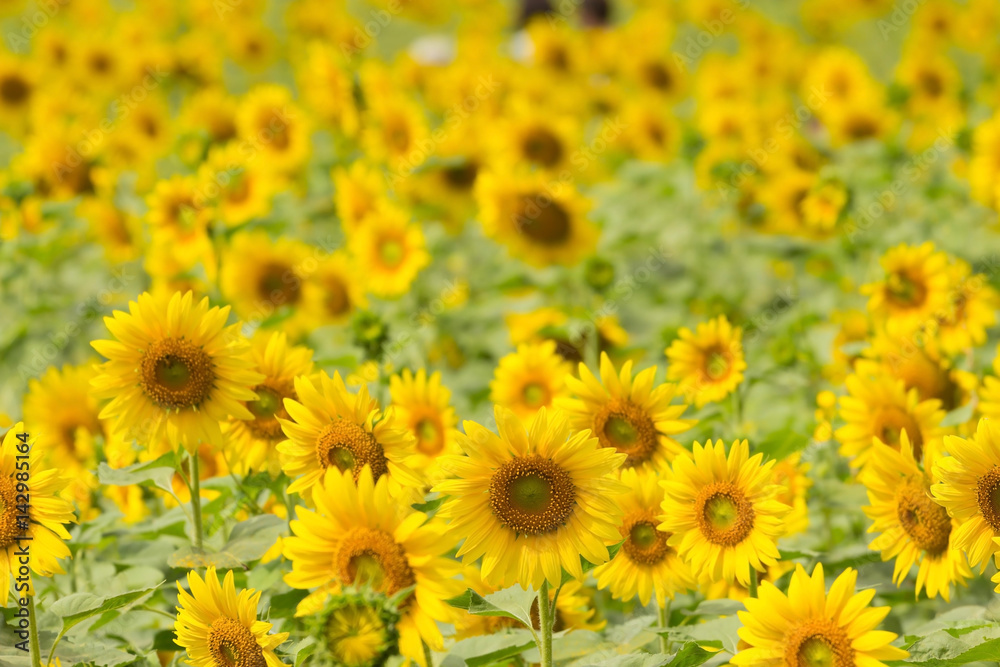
301 650
488 649
715 608
160 472
190 558
781 443
163 640
252 538
513 602
722 630
692 654
78 607
499 654
284 604
956 646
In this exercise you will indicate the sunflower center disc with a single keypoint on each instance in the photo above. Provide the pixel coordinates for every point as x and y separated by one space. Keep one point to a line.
391 252
531 495
429 440
543 148
175 374
8 512
926 522
725 516
268 407
233 645
890 424
716 365
534 395
543 220
374 558
348 446
988 497
626 427
279 285
819 643
644 544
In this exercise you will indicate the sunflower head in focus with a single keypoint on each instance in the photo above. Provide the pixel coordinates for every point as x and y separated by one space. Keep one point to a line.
912 527
359 535
634 416
192 370
218 627
532 500
645 564
252 442
968 486
47 512
539 223
333 429
708 362
810 627
723 512
530 379
914 291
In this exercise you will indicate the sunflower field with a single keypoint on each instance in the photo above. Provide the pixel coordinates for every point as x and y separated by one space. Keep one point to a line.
499 333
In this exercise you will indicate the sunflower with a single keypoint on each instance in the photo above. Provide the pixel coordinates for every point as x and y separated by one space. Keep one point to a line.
341 288
396 133
274 131
219 628
18 81
708 363
46 512
391 249
192 371
880 406
634 417
332 428
531 502
252 442
539 223
357 629
914 529
239 192
790 475
530 379
645 564
914 291
328 86
810 627
264 278
968 486
528 139
178 208
423 404
722 511
359 535
357 192
973 306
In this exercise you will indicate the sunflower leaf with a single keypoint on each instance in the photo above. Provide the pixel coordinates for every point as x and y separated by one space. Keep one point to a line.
513 602
692 654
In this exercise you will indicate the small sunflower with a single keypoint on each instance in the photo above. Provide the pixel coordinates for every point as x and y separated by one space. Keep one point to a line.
972 311
914 529
634 417
359 535
392 250
530 379
357 192
423 404
357 629
812 628
708 363
914 291
252 442
723 511
645 564
273 129
531 502
333 428
968 486
790 475
174 370
46 512
879 406
219 628
538 224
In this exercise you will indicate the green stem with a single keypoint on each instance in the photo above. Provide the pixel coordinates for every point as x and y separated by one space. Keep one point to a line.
196 499
36 649
664 617
428 657
545 624
753 583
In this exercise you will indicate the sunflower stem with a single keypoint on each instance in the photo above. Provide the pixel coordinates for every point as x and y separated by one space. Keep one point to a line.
753 583
428 656
196 499
36 648
664 618
545 624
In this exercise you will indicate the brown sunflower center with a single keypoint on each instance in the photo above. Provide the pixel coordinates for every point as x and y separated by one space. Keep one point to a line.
269 407
337 299
9 529
231 644
725 515
925 521
819 643
279 284
644 544
348 446
890 422
176 374
461 177
542 147
372 557
905 290
14 90
625 426
861 127
657 76
543 220
988 497
532 495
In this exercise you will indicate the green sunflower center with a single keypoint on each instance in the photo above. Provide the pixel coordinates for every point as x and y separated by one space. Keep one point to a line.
716 364
819 643
348 446
372 557
429 436
532 495
268 408
535 395
391 252
175 373
644 544
725 515
629 429
231 644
